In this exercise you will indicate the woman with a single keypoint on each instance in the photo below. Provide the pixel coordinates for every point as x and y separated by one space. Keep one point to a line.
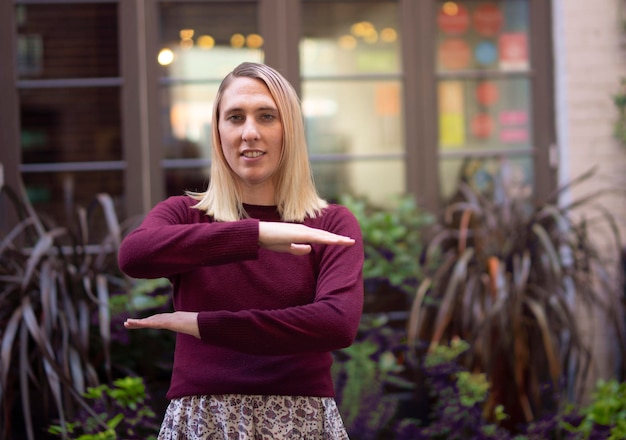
266 277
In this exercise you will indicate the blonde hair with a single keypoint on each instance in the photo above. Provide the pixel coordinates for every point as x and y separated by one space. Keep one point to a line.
296 195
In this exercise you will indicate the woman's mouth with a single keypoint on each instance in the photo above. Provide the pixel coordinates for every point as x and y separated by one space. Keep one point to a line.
252 154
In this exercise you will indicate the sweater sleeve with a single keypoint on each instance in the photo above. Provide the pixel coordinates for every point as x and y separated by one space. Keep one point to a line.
169 241
329 323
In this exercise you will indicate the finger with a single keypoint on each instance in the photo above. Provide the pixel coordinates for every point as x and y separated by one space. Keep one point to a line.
132 323
299 249
334 240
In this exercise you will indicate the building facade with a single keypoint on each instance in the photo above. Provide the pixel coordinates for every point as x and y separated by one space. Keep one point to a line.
399 96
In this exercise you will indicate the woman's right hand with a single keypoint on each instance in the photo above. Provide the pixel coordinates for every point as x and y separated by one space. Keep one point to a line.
296 238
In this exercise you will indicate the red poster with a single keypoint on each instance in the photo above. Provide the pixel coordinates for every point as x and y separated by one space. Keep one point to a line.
487 93
513 48
454 54
488 19
453 18
483 126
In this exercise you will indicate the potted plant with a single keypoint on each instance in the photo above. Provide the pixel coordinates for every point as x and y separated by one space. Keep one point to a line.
512 281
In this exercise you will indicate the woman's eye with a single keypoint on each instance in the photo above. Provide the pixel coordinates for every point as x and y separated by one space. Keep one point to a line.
234 118
268 117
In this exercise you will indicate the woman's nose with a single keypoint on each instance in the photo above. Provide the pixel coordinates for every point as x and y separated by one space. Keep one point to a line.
250 132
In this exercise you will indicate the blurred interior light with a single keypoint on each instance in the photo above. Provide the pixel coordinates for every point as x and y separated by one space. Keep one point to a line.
388 35
186 44
186 34
450 8
237 40
347 42
254 41
206 42
165 57
371 36
361 29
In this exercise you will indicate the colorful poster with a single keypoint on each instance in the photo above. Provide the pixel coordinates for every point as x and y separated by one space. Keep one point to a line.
514 127
486 53
451 114
513 48
453 18
487 93
454 54
488 19
483 126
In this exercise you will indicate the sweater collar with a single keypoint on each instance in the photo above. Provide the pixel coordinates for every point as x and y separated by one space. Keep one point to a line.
262 212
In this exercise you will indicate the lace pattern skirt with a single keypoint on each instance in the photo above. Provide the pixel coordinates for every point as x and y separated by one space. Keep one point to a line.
251 417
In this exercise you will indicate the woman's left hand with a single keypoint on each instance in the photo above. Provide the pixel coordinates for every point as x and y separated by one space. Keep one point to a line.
297 238
180 322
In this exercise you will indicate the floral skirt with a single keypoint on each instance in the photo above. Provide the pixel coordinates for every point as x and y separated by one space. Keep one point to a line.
251 417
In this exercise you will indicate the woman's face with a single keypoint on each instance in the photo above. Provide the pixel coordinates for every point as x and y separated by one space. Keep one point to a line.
251 134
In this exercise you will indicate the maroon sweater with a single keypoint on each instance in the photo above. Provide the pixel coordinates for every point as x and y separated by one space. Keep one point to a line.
268 320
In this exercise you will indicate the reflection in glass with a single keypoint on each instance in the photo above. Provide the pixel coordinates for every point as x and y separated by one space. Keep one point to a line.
350 117
67 41
347 38
199 44
482 173
70 125
186 120
352 120
352 97
207 40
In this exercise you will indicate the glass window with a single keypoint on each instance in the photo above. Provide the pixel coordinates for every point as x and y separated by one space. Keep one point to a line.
70 124
344 38
351 97
67 41
484 90
199 43
70 109
56 195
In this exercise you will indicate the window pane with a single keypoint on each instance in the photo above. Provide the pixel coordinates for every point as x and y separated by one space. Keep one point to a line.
486 113
70 125
376 180
189 179
346 121
186 120
67 41
55 196
479 35
351 97
207 40
484 92
349 37
199 44
353 117
481 173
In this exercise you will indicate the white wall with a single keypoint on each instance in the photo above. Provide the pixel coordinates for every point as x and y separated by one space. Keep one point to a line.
590 58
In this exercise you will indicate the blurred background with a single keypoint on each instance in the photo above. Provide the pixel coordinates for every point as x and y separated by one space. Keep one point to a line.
400 98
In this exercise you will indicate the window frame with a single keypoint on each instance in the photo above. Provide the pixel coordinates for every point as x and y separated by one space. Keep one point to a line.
280 24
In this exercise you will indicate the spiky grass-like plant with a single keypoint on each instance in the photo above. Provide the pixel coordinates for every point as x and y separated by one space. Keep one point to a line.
512 281
53 281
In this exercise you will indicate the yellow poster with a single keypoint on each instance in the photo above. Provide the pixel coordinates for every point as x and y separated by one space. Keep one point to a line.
451 114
